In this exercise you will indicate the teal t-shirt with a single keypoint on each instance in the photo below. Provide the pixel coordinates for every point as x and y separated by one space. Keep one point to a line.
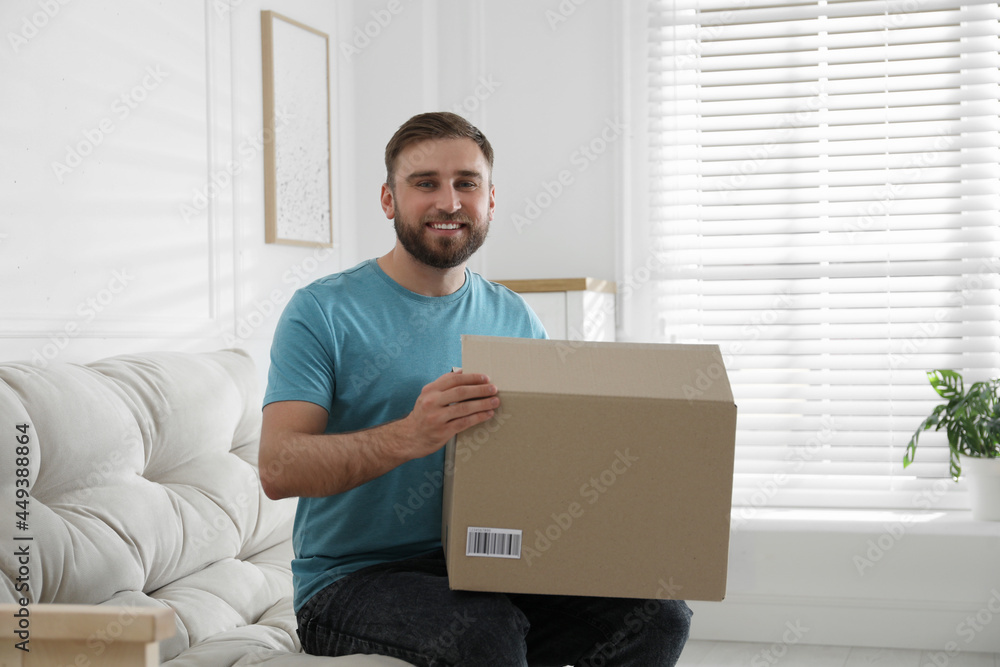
361 346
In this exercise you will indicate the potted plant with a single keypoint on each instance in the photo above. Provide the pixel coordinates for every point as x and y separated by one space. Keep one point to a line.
972 421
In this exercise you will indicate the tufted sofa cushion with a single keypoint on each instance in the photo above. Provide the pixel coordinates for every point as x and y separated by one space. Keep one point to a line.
144 491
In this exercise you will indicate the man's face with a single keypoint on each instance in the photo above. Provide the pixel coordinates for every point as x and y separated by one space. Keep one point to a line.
442 201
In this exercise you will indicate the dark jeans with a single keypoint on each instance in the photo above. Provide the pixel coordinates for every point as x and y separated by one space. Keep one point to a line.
405 609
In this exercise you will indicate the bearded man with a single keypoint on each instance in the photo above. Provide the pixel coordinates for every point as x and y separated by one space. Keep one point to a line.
360 402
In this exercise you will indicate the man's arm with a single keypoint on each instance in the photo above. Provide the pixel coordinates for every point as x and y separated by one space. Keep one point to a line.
298 459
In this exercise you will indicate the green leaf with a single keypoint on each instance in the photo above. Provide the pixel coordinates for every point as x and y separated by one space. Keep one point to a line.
954 430
993 427
955 466
978 399
930 421
948 384
911 449
935 416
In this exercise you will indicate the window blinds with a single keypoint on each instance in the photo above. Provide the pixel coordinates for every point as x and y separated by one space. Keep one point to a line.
824 204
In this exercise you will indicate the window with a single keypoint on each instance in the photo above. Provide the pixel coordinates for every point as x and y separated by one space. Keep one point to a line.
824 206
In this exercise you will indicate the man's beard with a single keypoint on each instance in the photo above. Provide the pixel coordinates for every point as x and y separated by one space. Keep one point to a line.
441 252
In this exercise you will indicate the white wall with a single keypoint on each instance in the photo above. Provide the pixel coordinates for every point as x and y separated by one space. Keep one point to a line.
106 131
539 81
539 90
556 210
126 248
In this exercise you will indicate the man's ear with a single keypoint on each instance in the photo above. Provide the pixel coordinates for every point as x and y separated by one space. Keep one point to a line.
493 200
388 202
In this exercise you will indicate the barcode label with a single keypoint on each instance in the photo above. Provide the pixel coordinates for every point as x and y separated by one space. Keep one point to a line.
493 542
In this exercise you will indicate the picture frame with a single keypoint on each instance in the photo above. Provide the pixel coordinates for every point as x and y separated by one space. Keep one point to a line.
298 197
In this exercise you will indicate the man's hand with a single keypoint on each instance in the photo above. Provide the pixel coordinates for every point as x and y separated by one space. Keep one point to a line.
446 406
298 459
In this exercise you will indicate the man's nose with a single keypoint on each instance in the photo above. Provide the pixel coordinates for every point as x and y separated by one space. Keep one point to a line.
448 200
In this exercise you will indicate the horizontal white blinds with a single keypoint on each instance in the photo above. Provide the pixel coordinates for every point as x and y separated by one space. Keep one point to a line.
825 196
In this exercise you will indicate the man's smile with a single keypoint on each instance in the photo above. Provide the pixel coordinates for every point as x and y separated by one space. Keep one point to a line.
445 226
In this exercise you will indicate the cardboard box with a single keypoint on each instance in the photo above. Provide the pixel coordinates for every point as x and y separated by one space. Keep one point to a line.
607 472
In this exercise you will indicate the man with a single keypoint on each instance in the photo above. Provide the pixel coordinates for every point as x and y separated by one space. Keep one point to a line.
360 401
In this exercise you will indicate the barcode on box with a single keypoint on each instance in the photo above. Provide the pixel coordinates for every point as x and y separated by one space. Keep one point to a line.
493 543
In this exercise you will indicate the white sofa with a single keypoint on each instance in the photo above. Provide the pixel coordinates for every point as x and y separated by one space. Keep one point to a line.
144 494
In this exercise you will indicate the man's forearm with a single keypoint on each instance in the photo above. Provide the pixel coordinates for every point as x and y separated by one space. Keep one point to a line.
296 459
299 464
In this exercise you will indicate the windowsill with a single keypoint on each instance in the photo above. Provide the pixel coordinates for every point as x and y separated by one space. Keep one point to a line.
925 522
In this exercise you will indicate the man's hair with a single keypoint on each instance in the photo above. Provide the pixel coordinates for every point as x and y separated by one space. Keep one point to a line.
433 125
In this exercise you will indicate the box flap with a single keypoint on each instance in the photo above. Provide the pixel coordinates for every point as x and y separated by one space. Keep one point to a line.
628 370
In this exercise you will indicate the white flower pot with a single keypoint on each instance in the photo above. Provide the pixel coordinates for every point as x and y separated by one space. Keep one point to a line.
983 476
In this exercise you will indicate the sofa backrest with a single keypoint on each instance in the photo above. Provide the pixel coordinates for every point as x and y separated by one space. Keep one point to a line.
142 472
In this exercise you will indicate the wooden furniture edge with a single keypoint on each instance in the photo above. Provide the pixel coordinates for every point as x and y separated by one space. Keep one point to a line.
65 622
559 285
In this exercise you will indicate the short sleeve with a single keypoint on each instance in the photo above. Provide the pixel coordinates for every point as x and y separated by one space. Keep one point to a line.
302 354
537 328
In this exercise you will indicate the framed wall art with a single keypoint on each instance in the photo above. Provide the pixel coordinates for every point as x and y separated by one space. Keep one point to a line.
297 184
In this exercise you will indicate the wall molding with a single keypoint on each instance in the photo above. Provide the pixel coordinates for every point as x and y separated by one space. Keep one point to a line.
81 324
